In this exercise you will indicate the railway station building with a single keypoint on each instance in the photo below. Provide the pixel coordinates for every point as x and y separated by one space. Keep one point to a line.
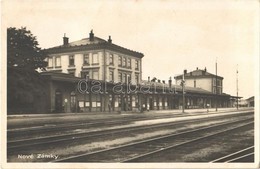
96 75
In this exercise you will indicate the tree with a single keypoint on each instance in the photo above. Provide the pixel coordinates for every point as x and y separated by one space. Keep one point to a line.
26 88
23 50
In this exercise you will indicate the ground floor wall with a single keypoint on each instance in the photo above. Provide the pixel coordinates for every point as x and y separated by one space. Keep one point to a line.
65 97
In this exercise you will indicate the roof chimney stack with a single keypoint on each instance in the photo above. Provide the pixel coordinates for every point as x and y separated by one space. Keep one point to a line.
65 40
185 71
109 39
91 35
148 78
205 69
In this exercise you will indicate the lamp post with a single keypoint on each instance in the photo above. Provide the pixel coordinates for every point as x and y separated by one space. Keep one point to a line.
183 96
216 86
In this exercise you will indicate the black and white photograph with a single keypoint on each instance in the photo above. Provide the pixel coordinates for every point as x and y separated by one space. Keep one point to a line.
130 84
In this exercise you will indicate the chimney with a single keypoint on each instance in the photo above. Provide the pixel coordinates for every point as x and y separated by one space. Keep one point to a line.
109 39
197 68
91 35
163 81
159 81
170 82
148 78
205 69
185 71
65 40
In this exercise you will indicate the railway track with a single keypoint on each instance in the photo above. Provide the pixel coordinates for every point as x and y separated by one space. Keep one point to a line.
14 146
237 156
136 151
51 128
23 134
57 127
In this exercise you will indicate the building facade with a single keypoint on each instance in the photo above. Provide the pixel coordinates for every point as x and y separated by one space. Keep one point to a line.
96 58
202 79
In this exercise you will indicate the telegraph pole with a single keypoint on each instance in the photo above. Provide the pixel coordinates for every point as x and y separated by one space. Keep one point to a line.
183 97
216 86
237 87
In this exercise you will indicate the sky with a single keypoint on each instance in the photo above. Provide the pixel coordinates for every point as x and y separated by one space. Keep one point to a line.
172 35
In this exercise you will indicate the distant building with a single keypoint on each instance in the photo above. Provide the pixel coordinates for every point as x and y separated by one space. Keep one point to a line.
251 101
202 79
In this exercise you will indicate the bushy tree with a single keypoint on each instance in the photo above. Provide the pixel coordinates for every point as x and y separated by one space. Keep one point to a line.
26 88
23 50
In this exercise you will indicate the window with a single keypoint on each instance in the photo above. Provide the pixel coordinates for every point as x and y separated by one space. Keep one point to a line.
95 74
136 65
129 78
214 90
57 62
111 75
120 77
111 59
219 82
85 75
124 78
86 59
128 62
71 60
50 62
95 58
119 61
96 101
124 62
136 78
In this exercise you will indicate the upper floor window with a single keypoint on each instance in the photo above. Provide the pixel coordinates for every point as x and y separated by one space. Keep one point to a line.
50 62
124 78
86 59
71 60
136 65
214 81
128 62
120 77
111 75
137 78
129 78
95 58
111 59
219 82
95 74
119 61
57 61
124 62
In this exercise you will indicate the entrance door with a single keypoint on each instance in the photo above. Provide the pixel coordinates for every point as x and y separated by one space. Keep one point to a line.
73 106
58 101
151 103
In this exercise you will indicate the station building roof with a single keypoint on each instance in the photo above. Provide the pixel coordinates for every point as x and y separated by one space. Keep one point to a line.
91 43
198 73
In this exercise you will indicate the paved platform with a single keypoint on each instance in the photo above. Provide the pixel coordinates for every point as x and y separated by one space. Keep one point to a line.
174 111
14 121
